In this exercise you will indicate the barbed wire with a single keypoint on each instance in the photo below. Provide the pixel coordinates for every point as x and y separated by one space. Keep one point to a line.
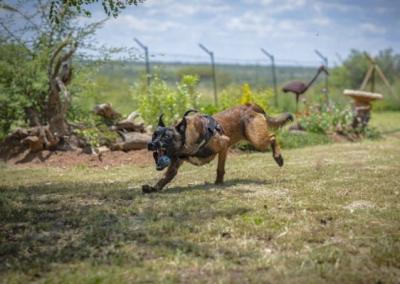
201 59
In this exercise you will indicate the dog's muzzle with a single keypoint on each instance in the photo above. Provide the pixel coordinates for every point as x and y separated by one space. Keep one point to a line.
161 159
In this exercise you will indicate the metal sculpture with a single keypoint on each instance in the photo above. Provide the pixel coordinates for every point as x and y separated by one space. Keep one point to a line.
298 88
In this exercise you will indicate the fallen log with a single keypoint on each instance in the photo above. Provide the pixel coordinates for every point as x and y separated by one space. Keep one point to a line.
131 141
129 126
132 123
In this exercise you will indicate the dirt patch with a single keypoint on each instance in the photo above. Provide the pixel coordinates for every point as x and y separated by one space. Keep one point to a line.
68 159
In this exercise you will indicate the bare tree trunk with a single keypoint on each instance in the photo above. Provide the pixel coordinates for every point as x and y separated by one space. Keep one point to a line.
60 74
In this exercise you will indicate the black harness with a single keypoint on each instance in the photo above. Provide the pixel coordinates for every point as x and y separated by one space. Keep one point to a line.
211 128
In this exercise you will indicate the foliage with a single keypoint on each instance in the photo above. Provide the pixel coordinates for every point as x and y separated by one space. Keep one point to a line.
326 120
91 87
160 98
36 66
354 68
246 94
111 7
97 132
233 96
321 120
23 83
188 86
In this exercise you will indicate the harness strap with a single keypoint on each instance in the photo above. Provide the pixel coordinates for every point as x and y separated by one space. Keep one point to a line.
211 128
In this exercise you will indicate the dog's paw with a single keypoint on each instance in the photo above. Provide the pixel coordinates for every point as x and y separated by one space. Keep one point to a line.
279 160
148 189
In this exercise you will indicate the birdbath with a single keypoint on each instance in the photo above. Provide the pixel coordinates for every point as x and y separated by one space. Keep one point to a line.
363 105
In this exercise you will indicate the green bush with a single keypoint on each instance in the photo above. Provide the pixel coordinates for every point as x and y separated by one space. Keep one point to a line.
97 132
161 98
324 120
23 84
329 120
235 95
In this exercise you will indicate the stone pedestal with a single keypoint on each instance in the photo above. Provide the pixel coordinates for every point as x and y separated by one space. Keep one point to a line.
362 106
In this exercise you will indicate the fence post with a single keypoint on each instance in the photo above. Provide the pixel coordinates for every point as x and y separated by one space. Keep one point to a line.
272 58
211 54
146 52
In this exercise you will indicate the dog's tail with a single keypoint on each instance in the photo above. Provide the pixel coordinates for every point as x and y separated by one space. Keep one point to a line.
274 122
279 121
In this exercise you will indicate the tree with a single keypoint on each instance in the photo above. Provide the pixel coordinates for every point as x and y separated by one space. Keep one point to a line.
36 63
111 7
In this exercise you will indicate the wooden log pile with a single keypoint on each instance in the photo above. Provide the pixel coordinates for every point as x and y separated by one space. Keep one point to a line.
132 135
132 132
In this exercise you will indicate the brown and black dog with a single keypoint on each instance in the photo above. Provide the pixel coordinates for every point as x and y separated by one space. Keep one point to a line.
198 138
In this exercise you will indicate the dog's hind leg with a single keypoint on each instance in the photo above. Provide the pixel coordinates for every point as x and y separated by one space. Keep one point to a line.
256 131
169 175
276 151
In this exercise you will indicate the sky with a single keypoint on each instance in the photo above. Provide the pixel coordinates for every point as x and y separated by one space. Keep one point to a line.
235 30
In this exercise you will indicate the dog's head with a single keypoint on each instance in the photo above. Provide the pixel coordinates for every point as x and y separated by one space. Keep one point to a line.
167 141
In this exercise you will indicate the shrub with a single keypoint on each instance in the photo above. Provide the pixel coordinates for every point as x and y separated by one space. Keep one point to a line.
233 96
327 120
97 133
161 98
333 119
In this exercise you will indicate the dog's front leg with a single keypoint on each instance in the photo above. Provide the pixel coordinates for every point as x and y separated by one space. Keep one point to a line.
169 175
221 166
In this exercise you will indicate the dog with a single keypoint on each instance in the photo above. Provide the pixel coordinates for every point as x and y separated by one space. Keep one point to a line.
199 138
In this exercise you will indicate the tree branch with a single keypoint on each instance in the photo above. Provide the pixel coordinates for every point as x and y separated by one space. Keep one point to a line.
11 35
62 59
55 54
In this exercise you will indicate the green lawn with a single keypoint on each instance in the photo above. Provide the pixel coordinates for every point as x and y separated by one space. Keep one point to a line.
331 214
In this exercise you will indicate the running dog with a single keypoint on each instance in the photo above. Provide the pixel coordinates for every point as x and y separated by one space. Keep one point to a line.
199 138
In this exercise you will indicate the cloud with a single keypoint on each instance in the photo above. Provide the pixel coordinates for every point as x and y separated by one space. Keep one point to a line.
321 21
261 25
277 6
181 9
140 24
237 29
373 29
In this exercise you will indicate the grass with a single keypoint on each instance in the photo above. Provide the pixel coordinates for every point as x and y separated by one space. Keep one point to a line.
331 214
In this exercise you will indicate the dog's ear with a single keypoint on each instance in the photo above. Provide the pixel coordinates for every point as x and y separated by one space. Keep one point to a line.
189 111
160 121
181 126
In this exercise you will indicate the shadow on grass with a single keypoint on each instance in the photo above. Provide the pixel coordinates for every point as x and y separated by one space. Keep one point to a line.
50 224
208 186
